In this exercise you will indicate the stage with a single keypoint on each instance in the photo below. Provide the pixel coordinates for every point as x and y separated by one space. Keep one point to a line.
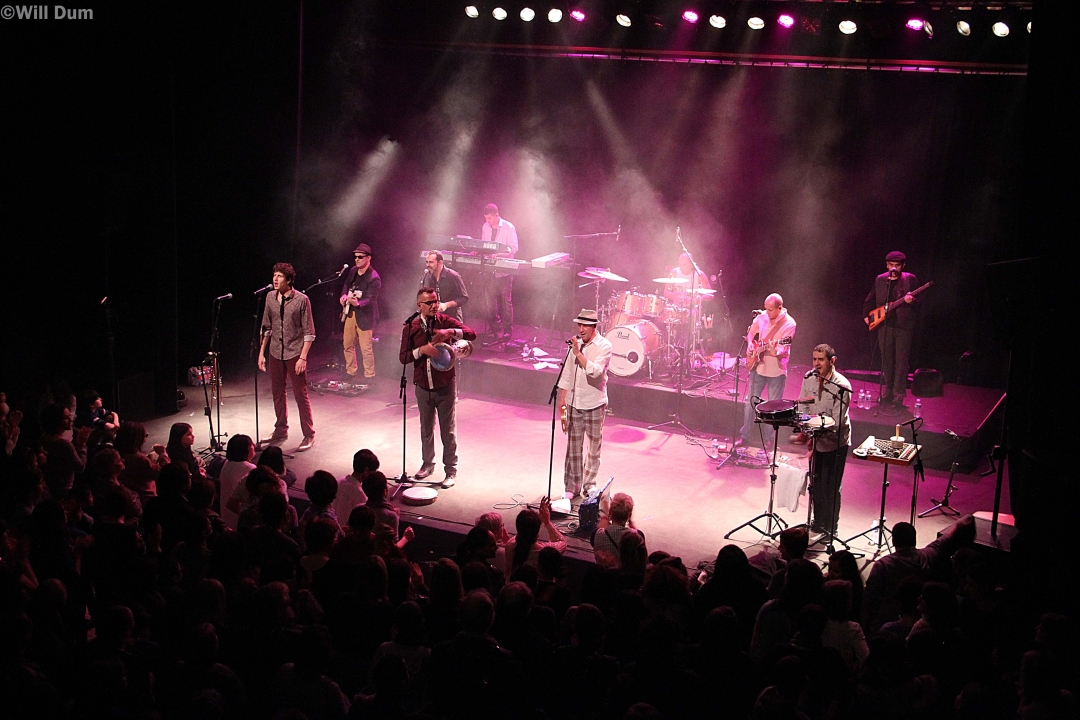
684 504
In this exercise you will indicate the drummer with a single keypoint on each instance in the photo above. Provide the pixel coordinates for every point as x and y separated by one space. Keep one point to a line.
680 293
827 393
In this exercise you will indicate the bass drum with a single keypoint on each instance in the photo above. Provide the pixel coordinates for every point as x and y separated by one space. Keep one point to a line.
631 346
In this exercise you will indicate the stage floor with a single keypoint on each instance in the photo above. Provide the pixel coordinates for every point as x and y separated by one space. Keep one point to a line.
683 503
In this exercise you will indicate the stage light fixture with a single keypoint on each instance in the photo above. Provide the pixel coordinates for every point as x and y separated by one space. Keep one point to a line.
527 14
577 15
498 13
755 23
623 20
554 15
1000 29
963 27
690 16
848 27
1029 27
718 21
928 28
471 11
786 21
915 24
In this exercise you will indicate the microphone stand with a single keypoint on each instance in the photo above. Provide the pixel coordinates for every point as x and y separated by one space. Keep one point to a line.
676 417
404 478
917 465
318 283
554 411
254 352
212 356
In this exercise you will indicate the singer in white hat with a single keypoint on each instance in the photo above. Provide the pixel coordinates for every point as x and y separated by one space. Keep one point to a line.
583 403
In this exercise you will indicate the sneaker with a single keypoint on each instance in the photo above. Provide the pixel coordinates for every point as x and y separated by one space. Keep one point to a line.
424 472
306 443
450 480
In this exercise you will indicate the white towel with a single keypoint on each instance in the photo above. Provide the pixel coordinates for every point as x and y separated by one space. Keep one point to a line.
790 485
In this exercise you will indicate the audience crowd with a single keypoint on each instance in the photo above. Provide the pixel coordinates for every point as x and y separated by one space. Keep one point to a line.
155 583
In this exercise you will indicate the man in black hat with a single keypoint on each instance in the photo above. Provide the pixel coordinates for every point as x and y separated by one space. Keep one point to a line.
583 401
895 334
360 313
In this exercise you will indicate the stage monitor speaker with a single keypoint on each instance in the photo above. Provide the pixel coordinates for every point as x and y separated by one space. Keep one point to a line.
927 382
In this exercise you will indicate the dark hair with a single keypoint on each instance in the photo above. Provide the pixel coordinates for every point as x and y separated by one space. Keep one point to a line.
364 460
287 270
321 488
202 492
273 458
362 518
273 507
491 209
830 354
129 437
428 291
795 540
528 530
904 535
438 255
177 433
238 448
550 562
374 486
89 396
257 477
319 535
477 612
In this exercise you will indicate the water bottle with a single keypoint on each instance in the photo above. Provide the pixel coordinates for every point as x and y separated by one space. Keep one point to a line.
862 399
716 446
918 408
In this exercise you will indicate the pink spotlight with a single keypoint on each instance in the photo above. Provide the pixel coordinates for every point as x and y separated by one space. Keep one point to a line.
690 16
915 24
786 20
577 15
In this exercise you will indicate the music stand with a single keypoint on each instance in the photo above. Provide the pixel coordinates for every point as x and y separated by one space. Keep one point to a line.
769 515
901 456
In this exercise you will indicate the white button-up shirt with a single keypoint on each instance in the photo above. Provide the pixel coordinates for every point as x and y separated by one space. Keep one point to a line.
587 389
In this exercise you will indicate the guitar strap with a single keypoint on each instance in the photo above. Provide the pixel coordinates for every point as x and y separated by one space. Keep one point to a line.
772 333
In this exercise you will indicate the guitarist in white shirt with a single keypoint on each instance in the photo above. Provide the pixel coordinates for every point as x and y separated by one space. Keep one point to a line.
768 346
895 334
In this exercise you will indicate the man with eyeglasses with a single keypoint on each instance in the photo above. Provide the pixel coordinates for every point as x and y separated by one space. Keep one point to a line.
436 390
360 313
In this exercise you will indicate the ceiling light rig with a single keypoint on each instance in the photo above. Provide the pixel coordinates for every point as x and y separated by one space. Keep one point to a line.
718 21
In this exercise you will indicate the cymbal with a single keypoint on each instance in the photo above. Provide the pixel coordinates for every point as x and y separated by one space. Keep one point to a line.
589 274
701 291
671 281
607 275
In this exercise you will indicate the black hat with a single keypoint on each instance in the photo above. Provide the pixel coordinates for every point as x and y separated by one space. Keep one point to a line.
896 256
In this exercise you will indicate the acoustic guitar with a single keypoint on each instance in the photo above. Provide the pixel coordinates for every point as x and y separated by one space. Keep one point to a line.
756 350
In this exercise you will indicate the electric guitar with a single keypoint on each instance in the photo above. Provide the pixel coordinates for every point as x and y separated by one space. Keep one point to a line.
348 307
756 350
877 315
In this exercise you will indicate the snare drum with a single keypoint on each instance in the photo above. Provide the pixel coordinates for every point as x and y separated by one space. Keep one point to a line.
629 302
631 346
653 306
777 412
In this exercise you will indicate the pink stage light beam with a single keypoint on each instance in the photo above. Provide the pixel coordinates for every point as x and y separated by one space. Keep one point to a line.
786 20
690 16
577 15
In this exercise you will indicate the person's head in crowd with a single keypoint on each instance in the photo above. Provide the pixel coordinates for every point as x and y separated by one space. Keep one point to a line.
362 521
810 623
731 564
528 530
479 544
116 627
174 480
938 605
588 624
408 628
476 575
550 564
273 458
633 555
319 536
364 462
1056 635
240 448
844 566
477 612
445 584
106 465
903 535
658 556
836 599
55 419
907 596
91 399
526 574
261 480
802 585
200 647
202 493
720 628
622 508
79 499
130 437
273 509
321 488
793 543
666 585
514 604
674 561
493 521
371 578
374 486
181 435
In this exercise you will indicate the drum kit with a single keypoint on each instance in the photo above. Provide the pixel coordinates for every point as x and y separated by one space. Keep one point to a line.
648 332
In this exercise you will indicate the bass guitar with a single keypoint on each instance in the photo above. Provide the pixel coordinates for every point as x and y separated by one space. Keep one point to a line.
756 350
877 315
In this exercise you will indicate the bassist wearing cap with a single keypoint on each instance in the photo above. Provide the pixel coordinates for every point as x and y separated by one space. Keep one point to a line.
768 346
891 309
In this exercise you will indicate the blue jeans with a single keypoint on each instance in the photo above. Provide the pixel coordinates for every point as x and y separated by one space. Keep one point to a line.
758 384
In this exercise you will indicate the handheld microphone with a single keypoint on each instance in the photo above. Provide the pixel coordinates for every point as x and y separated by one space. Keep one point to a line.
810 374
263 289
226 296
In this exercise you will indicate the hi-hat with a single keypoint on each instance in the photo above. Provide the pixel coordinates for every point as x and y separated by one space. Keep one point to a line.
671 281
602 274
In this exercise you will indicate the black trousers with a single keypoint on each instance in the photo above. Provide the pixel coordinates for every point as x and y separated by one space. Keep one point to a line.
895 346
830 475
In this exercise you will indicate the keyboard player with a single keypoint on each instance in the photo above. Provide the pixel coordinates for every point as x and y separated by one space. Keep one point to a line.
497 229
